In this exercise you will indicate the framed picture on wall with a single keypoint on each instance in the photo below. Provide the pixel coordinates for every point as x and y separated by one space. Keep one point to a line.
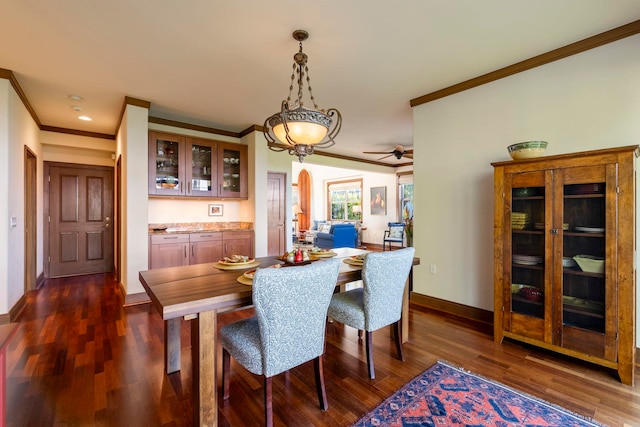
378 200
215 210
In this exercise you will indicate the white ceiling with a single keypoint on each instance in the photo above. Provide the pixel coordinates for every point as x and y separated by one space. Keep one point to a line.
227 64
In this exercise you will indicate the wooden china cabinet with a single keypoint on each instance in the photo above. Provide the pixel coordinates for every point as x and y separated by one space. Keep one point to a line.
547 211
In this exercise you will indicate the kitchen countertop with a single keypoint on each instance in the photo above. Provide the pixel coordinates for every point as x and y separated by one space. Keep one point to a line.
198 227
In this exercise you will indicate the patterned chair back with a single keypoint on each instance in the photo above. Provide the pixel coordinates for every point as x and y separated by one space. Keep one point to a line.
291 306
396 231
384 275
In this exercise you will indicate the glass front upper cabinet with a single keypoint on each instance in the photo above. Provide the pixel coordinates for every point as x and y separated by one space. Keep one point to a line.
196 167
166 153
233 170
203 167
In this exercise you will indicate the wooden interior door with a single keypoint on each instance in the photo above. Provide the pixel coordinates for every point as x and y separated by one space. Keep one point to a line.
276 213
80 219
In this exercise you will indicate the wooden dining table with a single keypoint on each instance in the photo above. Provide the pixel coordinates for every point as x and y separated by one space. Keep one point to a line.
197 293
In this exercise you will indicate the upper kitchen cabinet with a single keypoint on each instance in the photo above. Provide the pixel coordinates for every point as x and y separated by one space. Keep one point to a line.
166 164
201 179
182 166
232 172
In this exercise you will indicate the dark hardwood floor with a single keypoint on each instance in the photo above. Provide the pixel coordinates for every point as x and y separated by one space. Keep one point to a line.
80 359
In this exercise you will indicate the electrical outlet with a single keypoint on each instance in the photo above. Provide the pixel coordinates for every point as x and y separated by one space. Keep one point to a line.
432 268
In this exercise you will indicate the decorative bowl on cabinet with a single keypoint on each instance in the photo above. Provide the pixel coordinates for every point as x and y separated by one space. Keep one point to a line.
527 149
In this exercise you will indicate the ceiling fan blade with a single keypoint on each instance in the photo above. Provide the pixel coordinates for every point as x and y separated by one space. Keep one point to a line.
408 151
384 157
409 155
376 152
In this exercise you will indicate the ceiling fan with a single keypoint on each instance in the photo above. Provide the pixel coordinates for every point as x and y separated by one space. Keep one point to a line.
398 151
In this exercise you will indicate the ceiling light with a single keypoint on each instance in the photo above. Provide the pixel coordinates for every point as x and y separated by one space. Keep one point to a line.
301 129
76 108
75 98
85 118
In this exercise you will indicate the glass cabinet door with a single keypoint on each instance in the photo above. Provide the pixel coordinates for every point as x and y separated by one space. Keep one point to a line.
202 176
528 250
584 246
166 173
233 168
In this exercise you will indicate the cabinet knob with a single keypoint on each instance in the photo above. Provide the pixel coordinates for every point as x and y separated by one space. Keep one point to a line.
554 231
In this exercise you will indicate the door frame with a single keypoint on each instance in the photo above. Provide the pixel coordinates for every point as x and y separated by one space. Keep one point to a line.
46 194
117 247
30 220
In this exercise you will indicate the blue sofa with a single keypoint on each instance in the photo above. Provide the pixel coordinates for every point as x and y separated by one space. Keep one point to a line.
339 236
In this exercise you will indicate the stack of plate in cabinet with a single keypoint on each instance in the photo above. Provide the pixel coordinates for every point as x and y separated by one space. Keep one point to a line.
519 220
540 226
526 259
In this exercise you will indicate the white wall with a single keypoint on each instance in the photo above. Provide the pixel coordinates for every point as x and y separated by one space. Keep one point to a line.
584 102
66 148
133 143
17 129
185 210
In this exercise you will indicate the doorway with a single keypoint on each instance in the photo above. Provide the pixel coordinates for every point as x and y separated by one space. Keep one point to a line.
276 213
30 220
79 209
304 195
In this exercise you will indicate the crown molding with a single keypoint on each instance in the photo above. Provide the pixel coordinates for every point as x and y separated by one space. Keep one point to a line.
9 75
589 43
190 126
77 132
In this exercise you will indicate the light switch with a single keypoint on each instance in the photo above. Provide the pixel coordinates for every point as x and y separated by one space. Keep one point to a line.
14 222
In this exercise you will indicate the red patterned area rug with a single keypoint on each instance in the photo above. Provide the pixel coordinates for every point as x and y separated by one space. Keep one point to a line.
445 395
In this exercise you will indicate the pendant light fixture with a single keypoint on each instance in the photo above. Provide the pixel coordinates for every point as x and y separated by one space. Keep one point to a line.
298 129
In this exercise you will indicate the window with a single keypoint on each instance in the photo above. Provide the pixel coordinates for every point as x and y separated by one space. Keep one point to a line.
342 197
405 196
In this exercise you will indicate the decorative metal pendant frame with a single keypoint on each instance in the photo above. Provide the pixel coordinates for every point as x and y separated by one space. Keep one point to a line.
296 112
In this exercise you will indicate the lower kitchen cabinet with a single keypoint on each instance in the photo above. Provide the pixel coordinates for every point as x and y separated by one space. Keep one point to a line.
174 250
238 243
168 250
205 247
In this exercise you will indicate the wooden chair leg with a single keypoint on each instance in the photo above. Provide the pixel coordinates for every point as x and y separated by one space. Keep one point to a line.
268 406
322 394
397 330
369 345
226 373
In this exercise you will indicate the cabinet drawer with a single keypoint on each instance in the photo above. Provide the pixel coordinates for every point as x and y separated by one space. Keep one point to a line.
206 237
159 239
237 235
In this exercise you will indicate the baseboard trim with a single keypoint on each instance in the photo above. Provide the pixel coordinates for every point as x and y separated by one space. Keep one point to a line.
133 299
40 280
17 308
423 302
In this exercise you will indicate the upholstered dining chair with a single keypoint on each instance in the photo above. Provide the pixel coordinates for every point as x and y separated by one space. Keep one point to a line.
379 302
288 328
394 234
